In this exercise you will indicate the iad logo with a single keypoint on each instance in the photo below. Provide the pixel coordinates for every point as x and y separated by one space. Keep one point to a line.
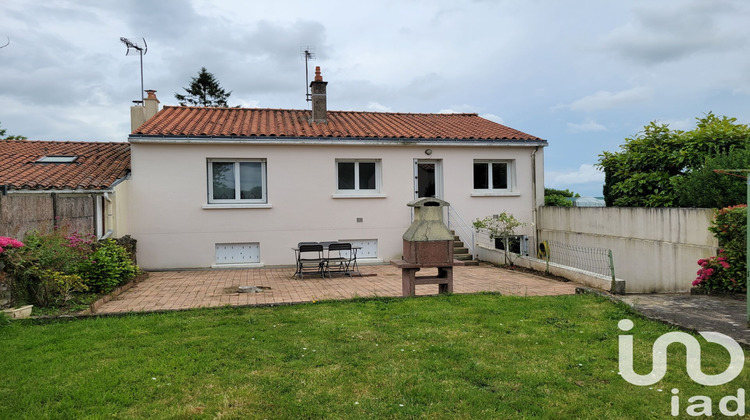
693 367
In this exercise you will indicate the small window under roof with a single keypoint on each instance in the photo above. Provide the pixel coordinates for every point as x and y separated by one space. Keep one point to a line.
57 159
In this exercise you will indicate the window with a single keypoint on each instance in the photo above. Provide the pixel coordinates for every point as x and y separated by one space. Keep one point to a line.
237 181
492 175
358 176
57 159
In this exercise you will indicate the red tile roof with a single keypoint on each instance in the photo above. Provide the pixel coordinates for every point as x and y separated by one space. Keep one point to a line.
97 166
183 121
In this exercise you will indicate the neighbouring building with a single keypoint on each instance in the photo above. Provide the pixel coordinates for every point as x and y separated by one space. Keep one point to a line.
78 186
238 187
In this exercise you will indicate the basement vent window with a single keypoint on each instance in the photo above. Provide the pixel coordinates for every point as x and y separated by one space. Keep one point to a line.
238 253
368 248
57 159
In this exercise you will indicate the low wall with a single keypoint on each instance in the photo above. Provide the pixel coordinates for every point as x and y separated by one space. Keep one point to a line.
654 250
586 278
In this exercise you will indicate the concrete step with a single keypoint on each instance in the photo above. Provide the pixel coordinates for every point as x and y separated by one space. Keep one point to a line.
471 263
463 257
458 244
460 250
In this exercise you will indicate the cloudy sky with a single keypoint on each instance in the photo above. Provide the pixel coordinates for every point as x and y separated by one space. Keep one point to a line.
582 74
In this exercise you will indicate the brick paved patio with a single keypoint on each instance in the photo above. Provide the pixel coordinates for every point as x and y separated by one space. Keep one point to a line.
171 290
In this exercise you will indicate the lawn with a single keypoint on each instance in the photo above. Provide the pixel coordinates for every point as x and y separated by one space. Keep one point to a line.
456 356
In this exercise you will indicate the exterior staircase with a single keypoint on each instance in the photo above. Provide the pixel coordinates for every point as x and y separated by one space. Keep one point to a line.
460 252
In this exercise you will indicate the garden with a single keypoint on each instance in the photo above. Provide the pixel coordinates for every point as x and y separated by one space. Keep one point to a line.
481 356
57 272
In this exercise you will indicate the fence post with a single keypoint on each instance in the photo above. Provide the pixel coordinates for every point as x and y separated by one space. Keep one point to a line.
614 289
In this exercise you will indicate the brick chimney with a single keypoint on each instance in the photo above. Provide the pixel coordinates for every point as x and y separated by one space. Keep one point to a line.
318 89
140 114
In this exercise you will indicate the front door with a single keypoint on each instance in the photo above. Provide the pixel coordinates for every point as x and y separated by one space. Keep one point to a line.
428 178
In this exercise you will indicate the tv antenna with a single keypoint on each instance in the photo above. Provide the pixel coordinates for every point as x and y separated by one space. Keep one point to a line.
6 44
141 51
308 54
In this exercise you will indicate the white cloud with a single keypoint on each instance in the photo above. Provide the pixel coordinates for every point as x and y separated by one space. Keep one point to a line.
605 99
585 174
589 125
659 33
492 117
378 107
459 109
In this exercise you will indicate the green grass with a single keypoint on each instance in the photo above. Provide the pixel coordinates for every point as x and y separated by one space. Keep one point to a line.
460 356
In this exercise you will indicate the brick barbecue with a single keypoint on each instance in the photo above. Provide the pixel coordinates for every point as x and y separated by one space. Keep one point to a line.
427 244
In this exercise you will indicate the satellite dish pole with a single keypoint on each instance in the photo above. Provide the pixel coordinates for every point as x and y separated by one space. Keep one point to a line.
308 55
141 51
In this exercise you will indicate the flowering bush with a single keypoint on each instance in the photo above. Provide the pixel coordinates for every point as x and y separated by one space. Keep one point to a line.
50 268
6 242
716 273
728 270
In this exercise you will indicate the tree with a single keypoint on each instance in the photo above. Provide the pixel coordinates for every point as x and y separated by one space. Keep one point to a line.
204 90
709 188
15 137
559 198
651 168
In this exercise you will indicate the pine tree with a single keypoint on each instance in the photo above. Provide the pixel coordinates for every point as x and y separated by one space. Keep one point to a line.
204 90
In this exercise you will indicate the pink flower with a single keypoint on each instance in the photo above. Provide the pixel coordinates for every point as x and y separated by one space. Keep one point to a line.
6 242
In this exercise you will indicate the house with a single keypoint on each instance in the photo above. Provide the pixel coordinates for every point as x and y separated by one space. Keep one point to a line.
76 185
234 187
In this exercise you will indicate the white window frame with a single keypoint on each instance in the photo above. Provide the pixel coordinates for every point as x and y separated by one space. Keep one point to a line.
263 201
356 192
510 169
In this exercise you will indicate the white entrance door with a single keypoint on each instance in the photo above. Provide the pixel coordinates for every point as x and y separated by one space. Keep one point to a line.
428 178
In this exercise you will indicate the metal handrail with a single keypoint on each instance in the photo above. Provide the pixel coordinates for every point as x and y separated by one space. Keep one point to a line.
462 229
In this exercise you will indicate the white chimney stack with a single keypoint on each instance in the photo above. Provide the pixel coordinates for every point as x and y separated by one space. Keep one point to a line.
140 114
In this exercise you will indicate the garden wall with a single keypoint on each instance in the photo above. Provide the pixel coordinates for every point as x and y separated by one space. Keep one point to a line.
654 249
486 252
20 213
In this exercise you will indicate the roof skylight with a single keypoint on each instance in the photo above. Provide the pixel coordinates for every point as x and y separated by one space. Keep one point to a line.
57 159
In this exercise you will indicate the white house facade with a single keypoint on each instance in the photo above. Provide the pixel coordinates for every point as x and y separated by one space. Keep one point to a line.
233 187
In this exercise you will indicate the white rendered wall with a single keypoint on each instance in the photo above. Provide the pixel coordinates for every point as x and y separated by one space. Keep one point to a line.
654 249
168 195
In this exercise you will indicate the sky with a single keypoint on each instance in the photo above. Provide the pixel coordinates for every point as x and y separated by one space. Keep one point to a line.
584 75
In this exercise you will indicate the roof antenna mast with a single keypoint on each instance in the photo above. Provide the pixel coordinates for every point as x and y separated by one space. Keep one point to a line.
308 54
141 51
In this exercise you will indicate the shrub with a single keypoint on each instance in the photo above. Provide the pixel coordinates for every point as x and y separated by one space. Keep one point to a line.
728 270
500 225
50 268
54 288
107 267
